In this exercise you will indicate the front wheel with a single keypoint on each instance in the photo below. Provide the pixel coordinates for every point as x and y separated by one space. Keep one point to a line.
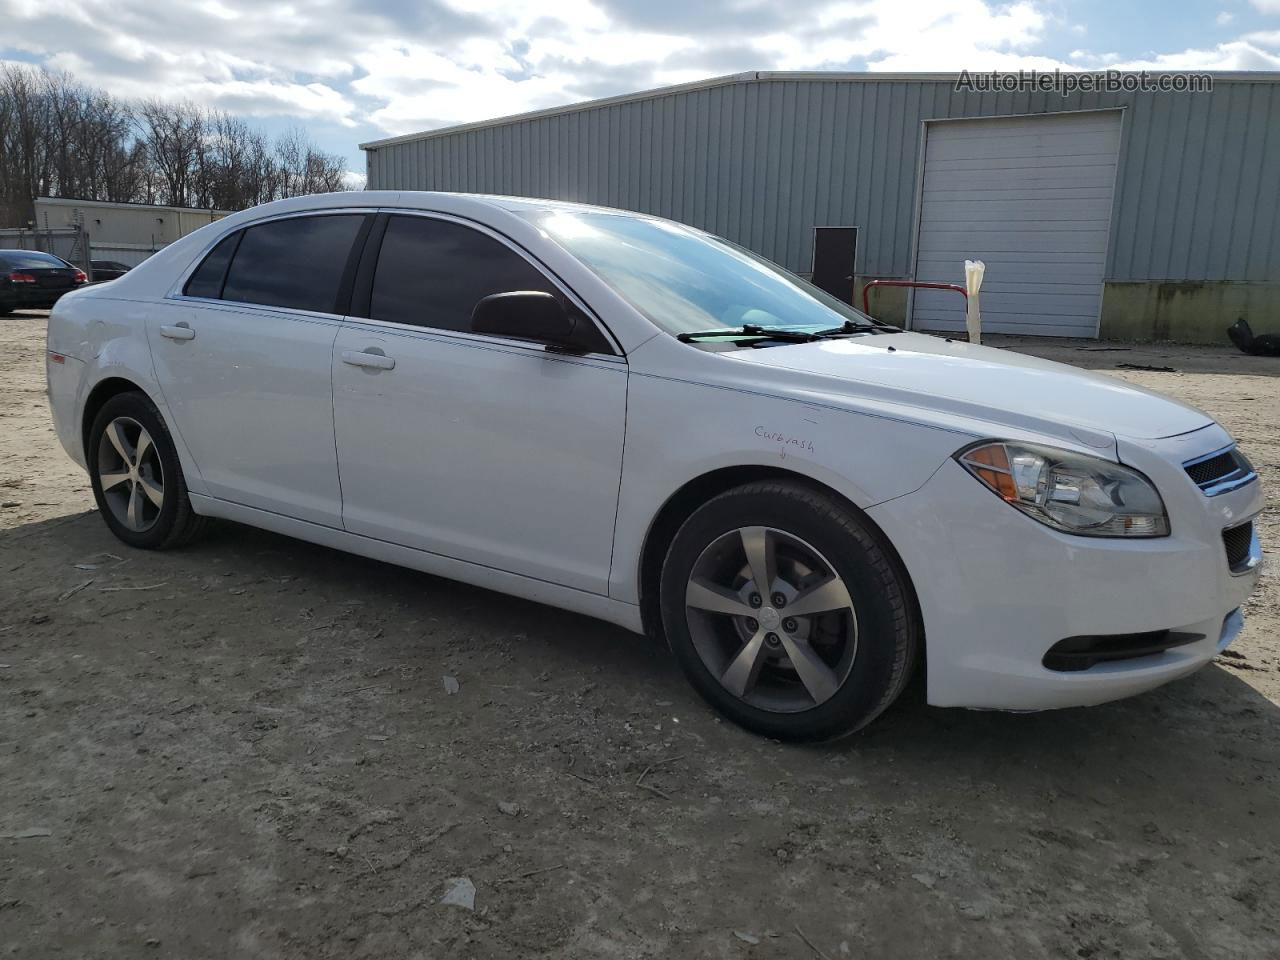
137 479
788 612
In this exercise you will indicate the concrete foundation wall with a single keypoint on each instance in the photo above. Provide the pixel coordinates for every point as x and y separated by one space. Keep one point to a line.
1186 311
1183 312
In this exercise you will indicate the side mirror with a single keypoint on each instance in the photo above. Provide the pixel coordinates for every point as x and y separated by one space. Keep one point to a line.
528 315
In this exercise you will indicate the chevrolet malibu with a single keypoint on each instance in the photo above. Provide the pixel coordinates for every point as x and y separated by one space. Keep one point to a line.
641 422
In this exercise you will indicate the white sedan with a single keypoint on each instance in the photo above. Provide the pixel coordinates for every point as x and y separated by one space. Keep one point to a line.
641 422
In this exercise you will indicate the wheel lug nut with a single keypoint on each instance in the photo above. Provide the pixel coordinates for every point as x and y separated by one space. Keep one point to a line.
753 624
771 639
755 600
789 624
779 600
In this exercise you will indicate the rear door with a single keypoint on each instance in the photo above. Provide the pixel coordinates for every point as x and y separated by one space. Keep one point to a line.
243 358
490 450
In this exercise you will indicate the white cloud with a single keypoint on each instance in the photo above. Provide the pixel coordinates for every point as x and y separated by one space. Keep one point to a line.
270 97
418 87
1236 55
933 35
402 65
532 62
260 59
1224 18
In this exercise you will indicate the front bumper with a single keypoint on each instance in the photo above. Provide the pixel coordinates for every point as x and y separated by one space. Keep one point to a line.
997 589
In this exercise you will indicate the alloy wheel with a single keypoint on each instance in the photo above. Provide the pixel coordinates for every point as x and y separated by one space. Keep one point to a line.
771 619
131 474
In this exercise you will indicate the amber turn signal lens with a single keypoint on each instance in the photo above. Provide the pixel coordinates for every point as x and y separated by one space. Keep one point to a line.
991 465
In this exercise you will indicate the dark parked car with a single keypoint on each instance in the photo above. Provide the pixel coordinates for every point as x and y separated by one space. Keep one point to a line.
30 279
107 270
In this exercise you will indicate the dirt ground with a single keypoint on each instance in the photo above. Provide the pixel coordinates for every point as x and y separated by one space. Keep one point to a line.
247 749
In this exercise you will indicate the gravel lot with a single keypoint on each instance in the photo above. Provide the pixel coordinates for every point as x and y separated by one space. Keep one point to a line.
246 749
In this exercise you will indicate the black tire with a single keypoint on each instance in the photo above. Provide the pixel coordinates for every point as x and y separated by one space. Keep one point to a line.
888 634
176 523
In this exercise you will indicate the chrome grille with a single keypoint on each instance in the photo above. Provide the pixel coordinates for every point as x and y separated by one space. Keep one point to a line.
1220 471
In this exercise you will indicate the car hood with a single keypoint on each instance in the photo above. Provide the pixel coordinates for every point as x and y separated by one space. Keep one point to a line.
995 385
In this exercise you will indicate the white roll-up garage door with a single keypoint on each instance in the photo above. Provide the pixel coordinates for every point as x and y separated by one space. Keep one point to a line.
1031 197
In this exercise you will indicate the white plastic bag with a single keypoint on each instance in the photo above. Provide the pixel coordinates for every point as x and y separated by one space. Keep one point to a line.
973 271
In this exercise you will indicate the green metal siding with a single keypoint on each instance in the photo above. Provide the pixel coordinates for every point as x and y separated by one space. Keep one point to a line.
763 161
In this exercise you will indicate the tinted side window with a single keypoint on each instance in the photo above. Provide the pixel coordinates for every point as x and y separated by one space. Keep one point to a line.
433 272
207 280
297 263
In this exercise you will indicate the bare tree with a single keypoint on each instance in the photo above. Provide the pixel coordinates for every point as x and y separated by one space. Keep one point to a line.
24 157
90 139
59 137
173 133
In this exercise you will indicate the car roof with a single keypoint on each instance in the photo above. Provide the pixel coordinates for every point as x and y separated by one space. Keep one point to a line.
419 199
28 253
531 204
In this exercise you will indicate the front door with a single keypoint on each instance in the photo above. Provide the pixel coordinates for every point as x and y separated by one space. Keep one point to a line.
243 359
488 450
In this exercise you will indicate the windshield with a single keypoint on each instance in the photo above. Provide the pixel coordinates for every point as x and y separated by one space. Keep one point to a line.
687 281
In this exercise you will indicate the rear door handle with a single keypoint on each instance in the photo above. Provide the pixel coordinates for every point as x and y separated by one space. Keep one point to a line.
179 331
361 358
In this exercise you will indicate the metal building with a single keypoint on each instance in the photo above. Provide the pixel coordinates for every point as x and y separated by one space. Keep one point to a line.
1129 215
126 232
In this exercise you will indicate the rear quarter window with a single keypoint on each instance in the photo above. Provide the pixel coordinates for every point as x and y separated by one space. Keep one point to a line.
209 276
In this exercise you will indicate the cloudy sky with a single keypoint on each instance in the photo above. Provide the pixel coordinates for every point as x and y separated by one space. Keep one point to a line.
351 71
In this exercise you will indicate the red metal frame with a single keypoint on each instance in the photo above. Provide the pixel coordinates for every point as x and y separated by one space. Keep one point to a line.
866 308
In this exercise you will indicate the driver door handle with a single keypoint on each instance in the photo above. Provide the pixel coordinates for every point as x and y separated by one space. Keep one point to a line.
178 331
360 358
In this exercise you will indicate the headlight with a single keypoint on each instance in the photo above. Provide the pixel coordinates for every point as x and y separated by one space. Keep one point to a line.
1069 491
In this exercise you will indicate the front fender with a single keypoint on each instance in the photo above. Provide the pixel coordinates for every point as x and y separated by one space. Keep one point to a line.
678 431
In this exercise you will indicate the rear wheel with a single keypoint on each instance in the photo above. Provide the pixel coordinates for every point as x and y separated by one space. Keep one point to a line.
137 479
788 612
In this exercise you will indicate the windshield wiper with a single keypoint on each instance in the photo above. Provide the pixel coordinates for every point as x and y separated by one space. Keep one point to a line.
779 333
752 330
853 326
787 334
